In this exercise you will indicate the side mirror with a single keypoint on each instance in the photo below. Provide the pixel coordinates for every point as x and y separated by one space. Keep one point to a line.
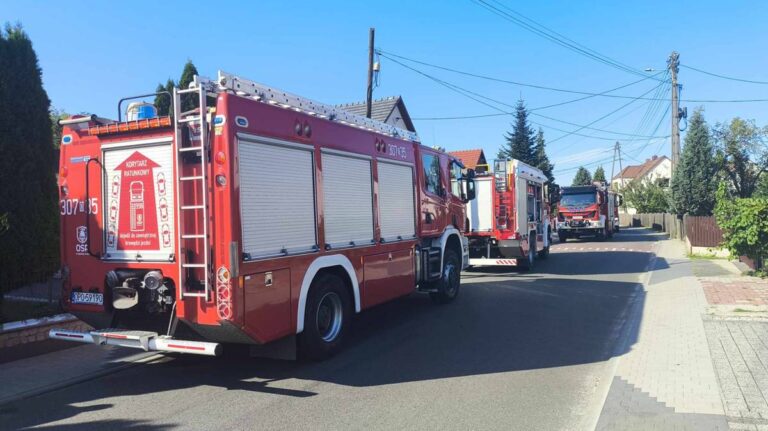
468 186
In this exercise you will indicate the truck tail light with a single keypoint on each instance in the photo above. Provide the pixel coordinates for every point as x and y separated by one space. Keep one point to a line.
221 158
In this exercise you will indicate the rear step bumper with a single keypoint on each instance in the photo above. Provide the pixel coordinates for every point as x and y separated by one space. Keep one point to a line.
147 341
482 261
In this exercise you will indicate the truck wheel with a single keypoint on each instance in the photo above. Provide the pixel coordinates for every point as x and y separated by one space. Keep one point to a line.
562 236
326 317
448 286
526 264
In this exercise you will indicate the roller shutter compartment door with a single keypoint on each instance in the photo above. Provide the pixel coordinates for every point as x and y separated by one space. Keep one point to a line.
347 200
396 201
277 202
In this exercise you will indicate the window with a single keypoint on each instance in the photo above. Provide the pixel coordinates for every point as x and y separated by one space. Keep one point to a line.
432 174
456 175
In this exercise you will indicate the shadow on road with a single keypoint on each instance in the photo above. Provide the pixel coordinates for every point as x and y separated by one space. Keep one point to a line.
498 325
495 327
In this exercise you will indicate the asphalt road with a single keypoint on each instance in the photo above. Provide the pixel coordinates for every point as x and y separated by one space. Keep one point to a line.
515 351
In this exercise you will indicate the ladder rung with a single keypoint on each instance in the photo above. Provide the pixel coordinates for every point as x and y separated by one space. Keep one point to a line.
192 178
195 148
192 236
194 294
190 119
187 90
193 265
192 207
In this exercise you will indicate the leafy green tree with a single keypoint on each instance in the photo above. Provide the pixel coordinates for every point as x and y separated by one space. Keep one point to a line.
693 183
540 158
163 101
28 193
744 222
599 174
742 154
519 142
188 102
646 196
762 188
582 177
56 115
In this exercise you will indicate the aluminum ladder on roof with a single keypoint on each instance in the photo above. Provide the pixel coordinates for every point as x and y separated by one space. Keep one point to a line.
192 193
273 96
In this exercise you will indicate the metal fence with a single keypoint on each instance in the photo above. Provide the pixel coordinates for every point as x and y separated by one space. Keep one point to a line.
703 231
663 222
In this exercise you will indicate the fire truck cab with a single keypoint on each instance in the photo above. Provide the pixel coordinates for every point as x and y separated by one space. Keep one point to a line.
509 219
591 210
255 216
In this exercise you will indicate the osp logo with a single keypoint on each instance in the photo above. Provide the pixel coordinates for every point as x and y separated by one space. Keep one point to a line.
81 248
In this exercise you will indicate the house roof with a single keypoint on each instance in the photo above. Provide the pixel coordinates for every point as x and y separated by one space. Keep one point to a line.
639 171
470 158
381 110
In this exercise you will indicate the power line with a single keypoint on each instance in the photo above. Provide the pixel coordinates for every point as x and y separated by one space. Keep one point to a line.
392 56
469 94
606 115
389 56
555 37
723 76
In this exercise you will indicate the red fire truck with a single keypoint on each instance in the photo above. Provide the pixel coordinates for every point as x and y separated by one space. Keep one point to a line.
257 217
587 211
509 219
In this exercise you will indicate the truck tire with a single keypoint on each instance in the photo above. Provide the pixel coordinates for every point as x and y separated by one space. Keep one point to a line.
526 264
562 236
327 317
448 286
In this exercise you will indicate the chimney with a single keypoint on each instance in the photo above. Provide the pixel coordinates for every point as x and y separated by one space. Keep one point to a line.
654 157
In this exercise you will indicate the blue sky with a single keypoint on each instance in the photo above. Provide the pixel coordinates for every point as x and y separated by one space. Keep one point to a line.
94 53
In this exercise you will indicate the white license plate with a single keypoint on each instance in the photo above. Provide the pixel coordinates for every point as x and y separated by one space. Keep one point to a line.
87 298
578 217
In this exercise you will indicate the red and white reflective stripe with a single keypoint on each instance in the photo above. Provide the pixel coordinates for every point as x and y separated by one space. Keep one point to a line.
491 262
155 343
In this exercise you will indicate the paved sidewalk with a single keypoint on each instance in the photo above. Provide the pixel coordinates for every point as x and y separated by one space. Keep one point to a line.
31 376
667 380
737 329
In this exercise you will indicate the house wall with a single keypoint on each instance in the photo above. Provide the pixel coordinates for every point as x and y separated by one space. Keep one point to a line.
662 171
396 119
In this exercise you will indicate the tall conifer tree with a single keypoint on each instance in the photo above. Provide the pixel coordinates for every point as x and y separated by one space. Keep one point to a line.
519 142
599 174
694 182
28 196
583 177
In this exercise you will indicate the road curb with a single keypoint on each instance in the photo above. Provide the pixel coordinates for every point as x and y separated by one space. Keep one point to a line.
142 359
630 312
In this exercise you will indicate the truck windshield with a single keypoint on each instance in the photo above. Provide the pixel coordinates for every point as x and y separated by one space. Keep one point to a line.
578 200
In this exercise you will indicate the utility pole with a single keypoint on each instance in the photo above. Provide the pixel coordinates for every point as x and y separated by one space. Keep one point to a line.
369 96
674 66
613 163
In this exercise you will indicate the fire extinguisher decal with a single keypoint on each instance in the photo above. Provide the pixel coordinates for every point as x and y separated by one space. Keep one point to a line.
137 206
